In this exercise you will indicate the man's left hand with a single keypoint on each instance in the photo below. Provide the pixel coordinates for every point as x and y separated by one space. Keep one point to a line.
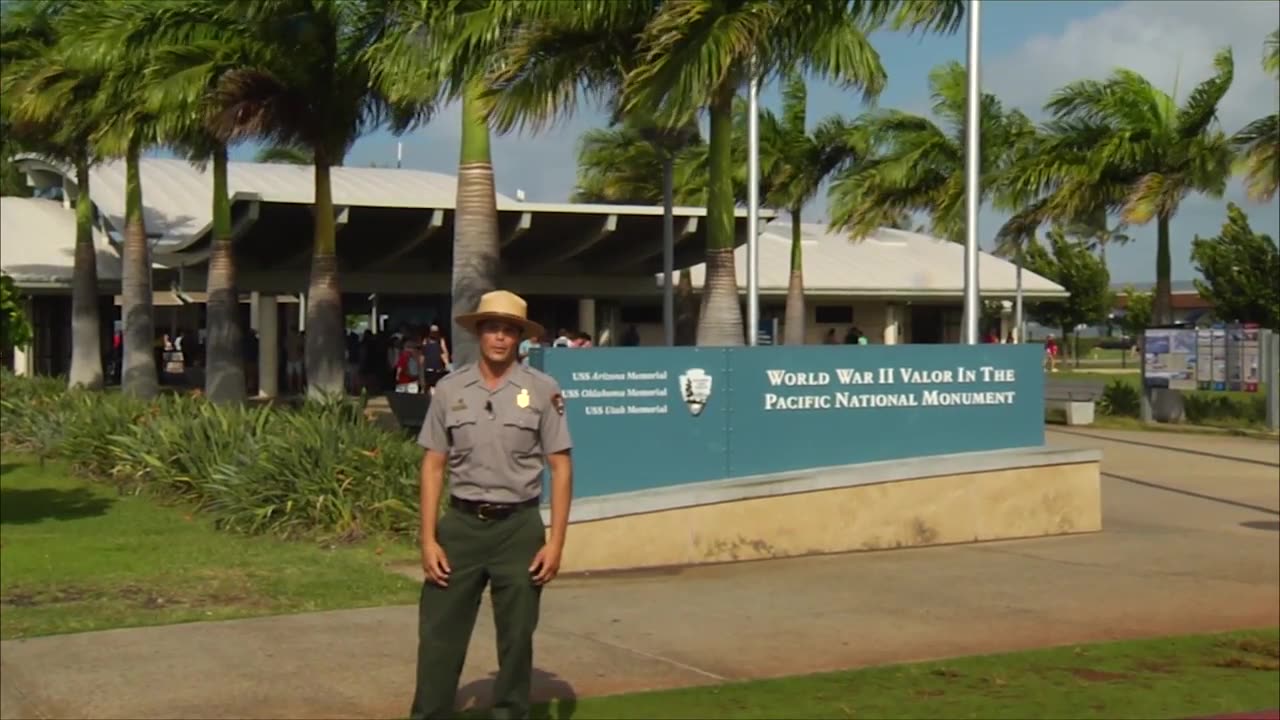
545 564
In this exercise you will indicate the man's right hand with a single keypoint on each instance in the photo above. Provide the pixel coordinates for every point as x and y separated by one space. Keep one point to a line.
435 563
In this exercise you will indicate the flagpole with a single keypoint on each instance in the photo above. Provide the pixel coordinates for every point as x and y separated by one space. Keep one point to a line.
973 192
753 207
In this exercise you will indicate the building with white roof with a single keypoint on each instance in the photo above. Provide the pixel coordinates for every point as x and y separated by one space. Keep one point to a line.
894 286
590 267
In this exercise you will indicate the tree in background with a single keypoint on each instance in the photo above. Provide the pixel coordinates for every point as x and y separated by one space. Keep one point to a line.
12 181
1259 141
1098 234
1240 270
1122 145
700 53
1070 264
285 155
618 165
317 87
15 328
48 107
793 165
917 166
1137 313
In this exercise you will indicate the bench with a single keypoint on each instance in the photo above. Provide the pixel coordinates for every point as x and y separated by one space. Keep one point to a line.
409 409
1077 404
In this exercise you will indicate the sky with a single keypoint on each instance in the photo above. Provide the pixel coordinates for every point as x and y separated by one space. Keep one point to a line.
1029 48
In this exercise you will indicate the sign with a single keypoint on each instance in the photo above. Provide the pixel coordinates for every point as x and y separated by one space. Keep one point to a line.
1169 357
1204 359
768 332
1219 352
651 417
1249 358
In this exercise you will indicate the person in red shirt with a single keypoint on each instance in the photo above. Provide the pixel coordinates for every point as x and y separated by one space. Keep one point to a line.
409 368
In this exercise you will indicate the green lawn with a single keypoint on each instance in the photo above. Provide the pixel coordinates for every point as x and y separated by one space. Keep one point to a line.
77 556
1165 678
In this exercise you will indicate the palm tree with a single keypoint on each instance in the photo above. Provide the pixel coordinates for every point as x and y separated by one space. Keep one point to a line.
917 166
793 166
698 53
314 87
618 165
189 47
285 155
559 51
1259 141
1095 232
1123 146
39 89
442 50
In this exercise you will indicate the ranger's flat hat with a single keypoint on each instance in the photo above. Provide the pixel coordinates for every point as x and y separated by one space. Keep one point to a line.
504 306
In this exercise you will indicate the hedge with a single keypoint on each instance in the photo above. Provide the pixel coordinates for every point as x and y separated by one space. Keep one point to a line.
320 470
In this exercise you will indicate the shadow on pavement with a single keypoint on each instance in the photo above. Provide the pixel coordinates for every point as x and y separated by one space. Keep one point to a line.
1273 525
547 688
18 506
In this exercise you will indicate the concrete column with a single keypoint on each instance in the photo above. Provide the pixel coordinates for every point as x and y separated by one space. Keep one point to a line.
268 347
254 297
1006 320
22 360
24 357
587 316
892 324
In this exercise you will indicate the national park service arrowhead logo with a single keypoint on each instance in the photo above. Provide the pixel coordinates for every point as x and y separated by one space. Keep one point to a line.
695 388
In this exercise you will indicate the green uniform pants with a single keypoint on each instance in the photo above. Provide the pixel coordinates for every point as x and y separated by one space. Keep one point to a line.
480 552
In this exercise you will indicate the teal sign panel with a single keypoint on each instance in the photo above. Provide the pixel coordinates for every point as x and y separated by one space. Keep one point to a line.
655 417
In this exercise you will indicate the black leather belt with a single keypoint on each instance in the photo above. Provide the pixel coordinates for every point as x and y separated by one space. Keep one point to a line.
490 510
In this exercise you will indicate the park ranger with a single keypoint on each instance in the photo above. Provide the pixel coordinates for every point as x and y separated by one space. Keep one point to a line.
492 422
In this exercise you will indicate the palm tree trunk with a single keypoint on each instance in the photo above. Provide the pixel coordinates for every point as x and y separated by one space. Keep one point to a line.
721 321
795 312
1162 303
1018 330
224 369
139 376
668 249
325 336
86 333
475 242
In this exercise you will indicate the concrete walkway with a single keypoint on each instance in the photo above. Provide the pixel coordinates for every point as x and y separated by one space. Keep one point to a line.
1191 543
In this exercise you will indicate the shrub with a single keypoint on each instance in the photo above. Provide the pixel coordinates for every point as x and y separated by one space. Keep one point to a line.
323 469
1218 408
1120 399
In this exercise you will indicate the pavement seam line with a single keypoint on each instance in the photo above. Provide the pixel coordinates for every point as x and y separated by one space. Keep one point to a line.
1169 448
651 656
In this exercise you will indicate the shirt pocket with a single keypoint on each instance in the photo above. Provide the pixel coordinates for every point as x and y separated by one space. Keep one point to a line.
461 426
520 433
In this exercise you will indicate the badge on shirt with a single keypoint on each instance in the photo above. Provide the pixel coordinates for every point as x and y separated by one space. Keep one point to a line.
557 401
522 399
460 405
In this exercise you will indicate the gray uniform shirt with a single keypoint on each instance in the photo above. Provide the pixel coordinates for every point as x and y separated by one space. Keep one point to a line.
496 440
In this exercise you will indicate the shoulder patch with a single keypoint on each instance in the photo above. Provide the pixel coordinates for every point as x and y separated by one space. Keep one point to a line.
557 402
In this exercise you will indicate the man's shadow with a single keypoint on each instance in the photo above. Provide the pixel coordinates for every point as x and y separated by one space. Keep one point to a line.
553 697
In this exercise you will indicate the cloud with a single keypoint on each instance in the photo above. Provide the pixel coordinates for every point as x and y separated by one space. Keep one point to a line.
1170 43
